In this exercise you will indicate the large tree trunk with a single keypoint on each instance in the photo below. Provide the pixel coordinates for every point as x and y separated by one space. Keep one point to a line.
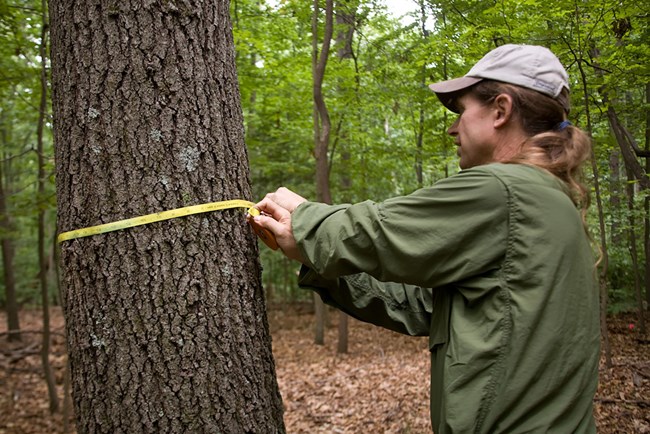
166 323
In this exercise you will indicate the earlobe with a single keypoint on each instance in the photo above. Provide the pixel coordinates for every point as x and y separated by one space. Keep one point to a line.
503 110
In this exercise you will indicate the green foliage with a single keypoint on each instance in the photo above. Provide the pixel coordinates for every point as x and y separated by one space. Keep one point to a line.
378 102
376 99
20 92
274 69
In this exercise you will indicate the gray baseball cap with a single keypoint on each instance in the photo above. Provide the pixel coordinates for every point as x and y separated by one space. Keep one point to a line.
529 66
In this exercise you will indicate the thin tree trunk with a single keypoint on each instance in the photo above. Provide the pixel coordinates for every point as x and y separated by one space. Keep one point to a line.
8 255
637 175
321 318
646 238
615 196
322 123
603 266
634 254
322 127
343 329
345 18
285 273
419 139
445 116
626 145
166 323
604 260
13 319
42 259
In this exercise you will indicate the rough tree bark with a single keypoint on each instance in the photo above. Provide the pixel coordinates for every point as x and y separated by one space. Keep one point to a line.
166 323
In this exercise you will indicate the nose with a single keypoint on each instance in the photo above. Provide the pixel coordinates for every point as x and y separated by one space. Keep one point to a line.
453 129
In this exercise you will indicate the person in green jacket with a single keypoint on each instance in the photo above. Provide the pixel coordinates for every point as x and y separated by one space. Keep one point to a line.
494 264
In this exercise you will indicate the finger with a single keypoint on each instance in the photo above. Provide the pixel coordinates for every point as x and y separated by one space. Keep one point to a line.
264 234
286 198
282 236
271 208
270 223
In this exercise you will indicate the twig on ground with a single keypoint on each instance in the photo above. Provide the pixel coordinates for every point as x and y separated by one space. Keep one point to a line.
641 403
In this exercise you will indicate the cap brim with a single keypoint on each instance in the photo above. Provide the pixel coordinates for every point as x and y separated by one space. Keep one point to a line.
446 90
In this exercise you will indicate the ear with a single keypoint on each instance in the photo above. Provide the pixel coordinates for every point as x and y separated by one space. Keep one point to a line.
503 107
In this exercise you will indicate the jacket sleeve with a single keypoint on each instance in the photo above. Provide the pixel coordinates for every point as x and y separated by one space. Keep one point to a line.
452 231
402 308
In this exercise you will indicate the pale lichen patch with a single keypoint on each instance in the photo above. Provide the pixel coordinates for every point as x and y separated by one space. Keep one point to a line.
189 157
155 134
165 181
97 342
93 113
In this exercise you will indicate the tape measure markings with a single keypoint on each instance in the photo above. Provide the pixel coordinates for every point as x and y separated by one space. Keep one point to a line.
155 217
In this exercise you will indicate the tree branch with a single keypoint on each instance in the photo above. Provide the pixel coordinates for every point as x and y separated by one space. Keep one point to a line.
628 149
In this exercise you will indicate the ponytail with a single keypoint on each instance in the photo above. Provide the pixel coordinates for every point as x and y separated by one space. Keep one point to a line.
553 144
561 152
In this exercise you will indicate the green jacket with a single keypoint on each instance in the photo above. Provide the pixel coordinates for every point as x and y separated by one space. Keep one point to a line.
494 265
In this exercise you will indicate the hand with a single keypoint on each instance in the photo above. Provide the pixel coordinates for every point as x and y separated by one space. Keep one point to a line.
276 209
285 198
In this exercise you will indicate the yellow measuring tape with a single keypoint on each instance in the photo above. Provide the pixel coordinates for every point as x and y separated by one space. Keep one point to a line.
160 216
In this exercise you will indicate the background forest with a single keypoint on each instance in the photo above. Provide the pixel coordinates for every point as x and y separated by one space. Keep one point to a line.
388 132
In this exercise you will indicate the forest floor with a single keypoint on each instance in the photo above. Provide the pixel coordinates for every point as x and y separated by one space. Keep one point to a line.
380 386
